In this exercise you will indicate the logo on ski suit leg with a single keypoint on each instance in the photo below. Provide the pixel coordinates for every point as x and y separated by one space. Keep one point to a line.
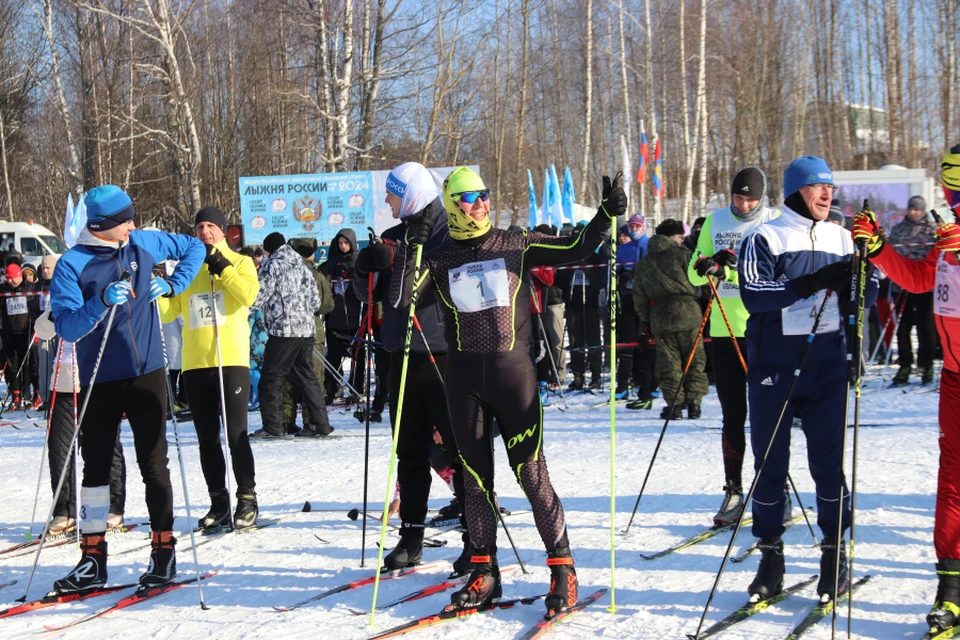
520 437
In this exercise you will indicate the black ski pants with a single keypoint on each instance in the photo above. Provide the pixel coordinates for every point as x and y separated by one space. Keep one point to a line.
59 453
424 408
731 382
339 348
583 327
14 351
501 386
144 401
294 355
203 395
917 311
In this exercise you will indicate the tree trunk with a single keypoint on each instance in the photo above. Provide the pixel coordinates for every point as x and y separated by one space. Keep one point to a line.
587 100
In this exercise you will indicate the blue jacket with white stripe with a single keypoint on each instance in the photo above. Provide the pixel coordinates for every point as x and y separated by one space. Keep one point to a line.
772 256
133 347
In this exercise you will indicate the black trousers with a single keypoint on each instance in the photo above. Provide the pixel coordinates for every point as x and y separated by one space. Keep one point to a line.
144 401
14 351
59 453
337 349
203 394
481 388
918 312
294 355
583 328
731 382
424 408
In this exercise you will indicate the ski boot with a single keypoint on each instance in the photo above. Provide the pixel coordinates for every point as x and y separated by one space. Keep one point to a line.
640 403
927 376
769 580
163 560
114 522
483 585
91 571
623 391
693 411
576 385
247 511
452 510
902 378
219 514
36 401
731 509
673 413
463 565
15 402
61 527
946 608
828 569
563 581
408 551
596 382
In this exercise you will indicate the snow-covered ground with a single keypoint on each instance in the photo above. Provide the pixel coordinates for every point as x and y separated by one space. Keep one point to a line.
662 598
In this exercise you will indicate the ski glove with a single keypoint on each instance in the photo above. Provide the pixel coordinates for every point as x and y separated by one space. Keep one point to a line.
377 256
726 258
613 200
707 266
116 293
865 229
160 287
419 227
216 261
835 277
948 237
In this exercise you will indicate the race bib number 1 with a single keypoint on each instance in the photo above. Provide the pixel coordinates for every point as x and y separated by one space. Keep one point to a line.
798 318
16 306
201 311
480 285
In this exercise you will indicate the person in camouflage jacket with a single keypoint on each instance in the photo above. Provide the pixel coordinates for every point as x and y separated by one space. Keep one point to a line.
665 302
307 247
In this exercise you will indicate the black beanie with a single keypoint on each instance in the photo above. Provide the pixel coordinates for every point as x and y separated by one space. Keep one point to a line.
748 182
211 214
670 227
274 241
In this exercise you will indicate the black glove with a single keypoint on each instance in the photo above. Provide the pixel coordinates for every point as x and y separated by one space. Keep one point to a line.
835 277
420 226
707 266
216 261
377 256
613 201
726 258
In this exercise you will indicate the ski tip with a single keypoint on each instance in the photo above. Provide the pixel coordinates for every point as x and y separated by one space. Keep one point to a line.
281 608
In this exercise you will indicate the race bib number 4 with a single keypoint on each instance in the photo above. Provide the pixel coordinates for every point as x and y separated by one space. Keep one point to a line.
479 285
16 306
798 318
201 311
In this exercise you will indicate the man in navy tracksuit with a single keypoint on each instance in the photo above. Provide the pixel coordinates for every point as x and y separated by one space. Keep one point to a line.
110 271
787 268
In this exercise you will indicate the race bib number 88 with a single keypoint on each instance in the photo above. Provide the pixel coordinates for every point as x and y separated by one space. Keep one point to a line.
201 311
479 285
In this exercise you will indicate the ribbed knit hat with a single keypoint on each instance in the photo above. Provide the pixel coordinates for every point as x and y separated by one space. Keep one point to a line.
803 171
107 207
274 241
211 214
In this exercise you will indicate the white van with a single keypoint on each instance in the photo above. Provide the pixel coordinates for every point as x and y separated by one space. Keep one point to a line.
32 240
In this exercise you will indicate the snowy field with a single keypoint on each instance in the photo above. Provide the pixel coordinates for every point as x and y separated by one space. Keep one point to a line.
661 598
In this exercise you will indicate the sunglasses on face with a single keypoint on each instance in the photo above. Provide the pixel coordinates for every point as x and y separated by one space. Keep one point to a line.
469 197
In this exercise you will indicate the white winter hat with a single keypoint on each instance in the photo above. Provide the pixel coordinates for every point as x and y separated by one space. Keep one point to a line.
413 184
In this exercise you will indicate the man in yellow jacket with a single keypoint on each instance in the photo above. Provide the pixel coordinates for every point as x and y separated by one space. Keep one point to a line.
233 278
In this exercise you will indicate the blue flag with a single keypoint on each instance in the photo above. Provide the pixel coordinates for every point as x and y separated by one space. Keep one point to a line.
554 209
545 211
534 214
567 198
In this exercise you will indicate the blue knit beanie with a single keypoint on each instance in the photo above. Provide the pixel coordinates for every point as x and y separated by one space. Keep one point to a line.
804 171
107 207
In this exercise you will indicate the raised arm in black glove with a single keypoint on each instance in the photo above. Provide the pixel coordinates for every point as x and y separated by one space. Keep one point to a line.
420 226
835 277
376 256
216 261
613 199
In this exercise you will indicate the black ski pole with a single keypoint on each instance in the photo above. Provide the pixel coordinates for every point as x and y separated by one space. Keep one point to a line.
763 460
546 341
496 508
803 510
670 406
366 433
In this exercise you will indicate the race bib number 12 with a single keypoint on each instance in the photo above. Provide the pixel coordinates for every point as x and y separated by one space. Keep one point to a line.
480 285
201 311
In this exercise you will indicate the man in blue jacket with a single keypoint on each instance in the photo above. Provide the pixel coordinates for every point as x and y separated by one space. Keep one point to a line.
788 267
110 270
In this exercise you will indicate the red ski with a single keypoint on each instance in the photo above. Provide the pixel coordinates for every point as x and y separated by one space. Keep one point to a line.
53 598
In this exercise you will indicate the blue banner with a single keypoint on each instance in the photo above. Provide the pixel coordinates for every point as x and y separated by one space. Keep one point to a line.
532 196
566 197
306 206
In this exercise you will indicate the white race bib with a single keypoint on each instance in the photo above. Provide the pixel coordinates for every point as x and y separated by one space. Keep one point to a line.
798 318
728 289
479 285
580 279
44 301
339 287
201 311
946 293
16 306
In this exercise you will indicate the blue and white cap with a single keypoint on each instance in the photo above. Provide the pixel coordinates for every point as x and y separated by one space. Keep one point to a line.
107 207
413 184
803 171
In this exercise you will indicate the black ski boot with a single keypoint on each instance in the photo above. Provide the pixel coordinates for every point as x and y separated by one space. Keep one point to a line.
163 560
693 411
902 378
408 551
91 571
946 608
450 511
463 565
563 581
483 585
247 511
219 514
731 509
828 568
577 384
769 580
676 413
